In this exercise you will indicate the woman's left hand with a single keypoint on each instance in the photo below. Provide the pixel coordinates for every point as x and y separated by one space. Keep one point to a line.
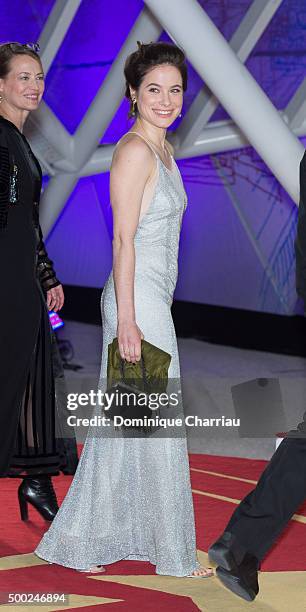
55 298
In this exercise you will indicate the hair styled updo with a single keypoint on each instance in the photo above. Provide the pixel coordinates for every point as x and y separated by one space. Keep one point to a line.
10 50
147 57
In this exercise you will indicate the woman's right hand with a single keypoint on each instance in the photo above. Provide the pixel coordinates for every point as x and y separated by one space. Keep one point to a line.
129 341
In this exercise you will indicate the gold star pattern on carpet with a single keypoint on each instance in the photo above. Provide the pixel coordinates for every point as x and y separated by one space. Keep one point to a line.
209 595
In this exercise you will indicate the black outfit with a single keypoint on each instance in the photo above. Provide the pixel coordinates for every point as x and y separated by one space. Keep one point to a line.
263 513
27 399
261 517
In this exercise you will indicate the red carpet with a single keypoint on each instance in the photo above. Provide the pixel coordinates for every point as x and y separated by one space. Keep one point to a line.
211 512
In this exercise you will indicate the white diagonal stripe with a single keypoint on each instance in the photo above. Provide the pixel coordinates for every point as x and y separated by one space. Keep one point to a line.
242 42
234 86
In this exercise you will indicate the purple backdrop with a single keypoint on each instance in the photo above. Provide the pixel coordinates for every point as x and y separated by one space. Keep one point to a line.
220 263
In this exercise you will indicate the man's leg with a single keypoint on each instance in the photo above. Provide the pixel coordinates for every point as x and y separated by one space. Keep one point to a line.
281 489
260 518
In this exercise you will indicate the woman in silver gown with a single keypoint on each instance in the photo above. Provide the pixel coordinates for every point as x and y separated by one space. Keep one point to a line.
131 497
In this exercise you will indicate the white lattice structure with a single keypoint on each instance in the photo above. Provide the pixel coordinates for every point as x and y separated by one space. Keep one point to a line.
220 64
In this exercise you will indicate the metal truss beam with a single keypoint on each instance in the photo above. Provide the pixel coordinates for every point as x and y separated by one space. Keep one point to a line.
49 137
51 132
56 29
234 86
99 162
96 120
242 42
217 137
223 136
295 112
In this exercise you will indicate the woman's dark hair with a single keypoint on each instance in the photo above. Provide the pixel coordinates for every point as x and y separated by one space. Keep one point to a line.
147 57
10 50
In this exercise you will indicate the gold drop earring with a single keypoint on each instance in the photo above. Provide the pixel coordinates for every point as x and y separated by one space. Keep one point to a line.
133 108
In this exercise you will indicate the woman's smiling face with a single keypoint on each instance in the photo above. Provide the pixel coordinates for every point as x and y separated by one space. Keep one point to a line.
160 95
23 86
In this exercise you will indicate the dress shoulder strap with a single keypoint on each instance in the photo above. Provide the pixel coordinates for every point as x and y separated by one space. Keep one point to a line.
140 136
168 149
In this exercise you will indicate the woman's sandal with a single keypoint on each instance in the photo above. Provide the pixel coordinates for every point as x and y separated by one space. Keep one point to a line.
95 569
209 573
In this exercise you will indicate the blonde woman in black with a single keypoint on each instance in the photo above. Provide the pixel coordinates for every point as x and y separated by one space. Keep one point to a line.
29 288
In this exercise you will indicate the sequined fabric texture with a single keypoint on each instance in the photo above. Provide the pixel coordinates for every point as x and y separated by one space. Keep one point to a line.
14 185
4 185
131 498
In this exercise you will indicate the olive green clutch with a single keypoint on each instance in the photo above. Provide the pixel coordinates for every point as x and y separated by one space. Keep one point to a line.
154 361
133 383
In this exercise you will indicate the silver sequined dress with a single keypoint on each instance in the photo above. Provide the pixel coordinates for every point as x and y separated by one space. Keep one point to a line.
131 498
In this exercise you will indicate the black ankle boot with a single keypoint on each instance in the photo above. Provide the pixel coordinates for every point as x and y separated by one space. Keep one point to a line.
40 493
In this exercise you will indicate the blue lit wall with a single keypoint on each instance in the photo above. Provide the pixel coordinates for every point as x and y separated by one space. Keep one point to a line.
219 262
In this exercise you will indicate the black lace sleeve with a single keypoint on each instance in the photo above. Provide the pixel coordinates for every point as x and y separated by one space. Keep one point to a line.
300 242
45 270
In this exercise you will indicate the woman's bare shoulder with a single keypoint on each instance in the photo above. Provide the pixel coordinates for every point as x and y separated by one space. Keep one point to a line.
132 148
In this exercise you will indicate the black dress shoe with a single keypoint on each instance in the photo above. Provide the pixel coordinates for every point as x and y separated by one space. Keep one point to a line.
38 492
226 551
237 569
243 580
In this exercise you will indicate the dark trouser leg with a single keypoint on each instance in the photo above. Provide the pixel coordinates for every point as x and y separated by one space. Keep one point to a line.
263 513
